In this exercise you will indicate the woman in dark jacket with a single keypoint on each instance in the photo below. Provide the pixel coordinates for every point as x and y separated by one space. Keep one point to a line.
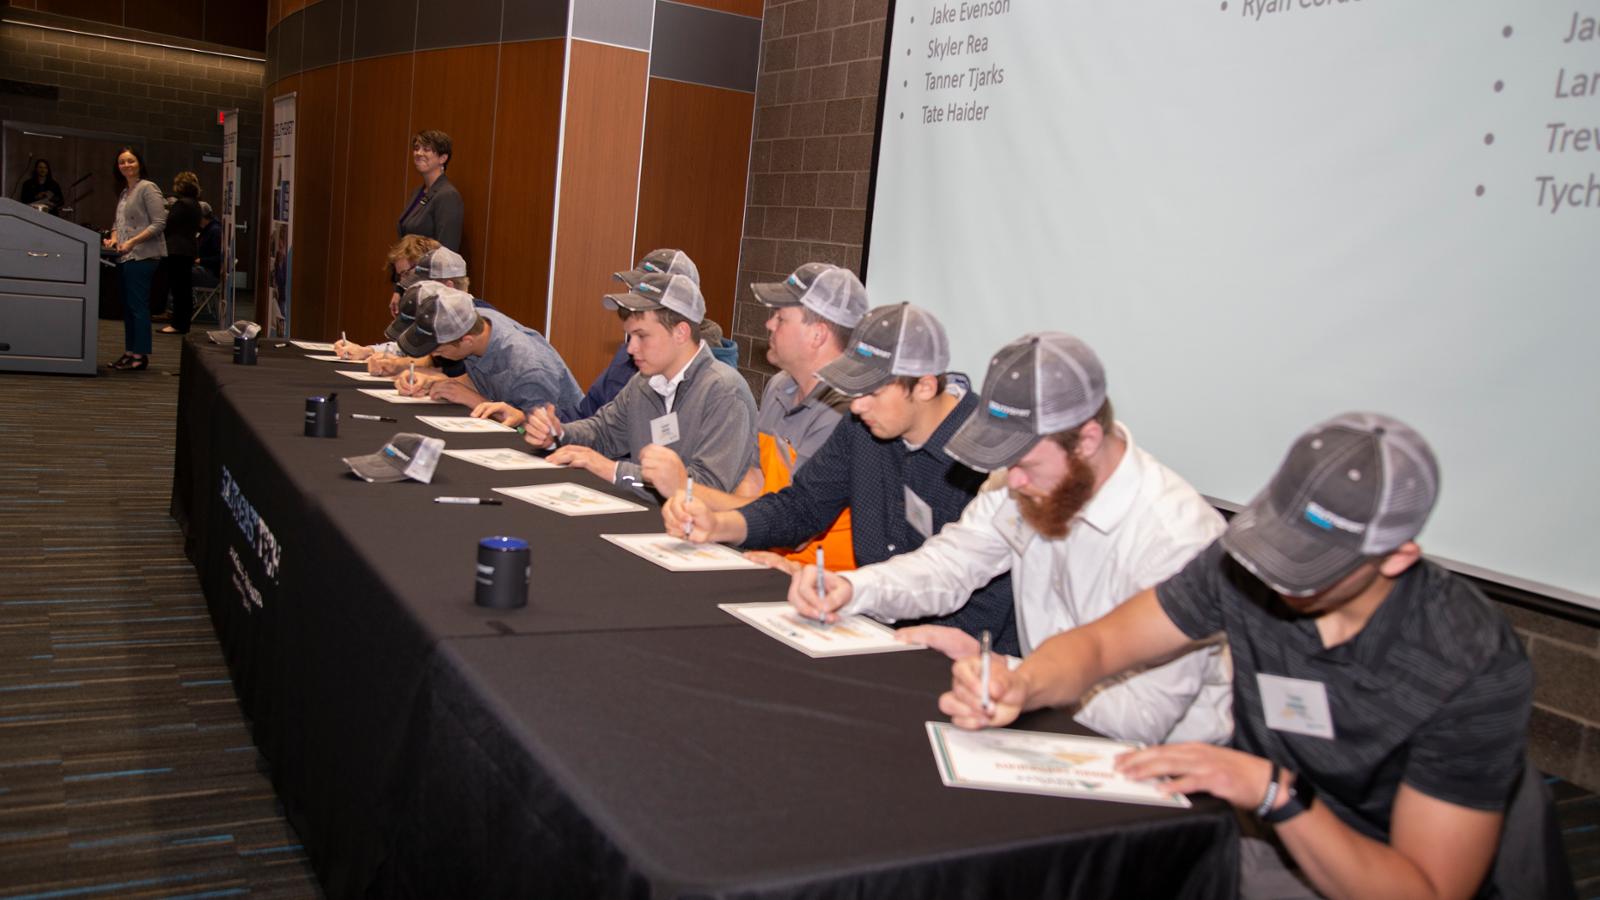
183 229
437 209
40 186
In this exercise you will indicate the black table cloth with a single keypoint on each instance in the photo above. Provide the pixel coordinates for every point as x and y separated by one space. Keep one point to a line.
619 736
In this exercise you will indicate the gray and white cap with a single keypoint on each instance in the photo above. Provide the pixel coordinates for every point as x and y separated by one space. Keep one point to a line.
410 298
444 314
1355 487
659 290
832 292
899 339
1039 384
406 455
438 264
665 261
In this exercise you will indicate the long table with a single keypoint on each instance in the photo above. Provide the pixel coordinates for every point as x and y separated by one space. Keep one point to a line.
619 736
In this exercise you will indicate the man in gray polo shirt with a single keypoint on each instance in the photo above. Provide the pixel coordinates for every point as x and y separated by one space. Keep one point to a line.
683 414
1380 702
505 359
814 311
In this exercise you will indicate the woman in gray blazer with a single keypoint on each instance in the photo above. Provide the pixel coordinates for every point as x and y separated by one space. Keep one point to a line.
436 210
136 238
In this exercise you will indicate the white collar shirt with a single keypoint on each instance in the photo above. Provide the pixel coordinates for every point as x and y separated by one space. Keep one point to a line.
1142 526
668 387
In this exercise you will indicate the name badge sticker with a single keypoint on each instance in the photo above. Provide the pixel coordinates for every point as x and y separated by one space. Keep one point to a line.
1295 705
918 513
664 429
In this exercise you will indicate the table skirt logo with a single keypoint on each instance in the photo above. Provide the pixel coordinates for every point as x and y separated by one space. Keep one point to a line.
249 597
258 536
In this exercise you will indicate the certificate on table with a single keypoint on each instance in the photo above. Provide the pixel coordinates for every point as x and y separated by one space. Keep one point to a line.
390 395
678 555
329 357
363 376
570 499
502 459
318 346
464 424
1037 762
850 636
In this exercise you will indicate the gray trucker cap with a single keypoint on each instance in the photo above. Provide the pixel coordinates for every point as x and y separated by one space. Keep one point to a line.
832 292
438 264
899 339
1038 384
659 290
444 314
665 261
1355 487
406 455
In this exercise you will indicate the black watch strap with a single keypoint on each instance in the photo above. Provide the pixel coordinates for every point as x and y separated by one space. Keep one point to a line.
1301 795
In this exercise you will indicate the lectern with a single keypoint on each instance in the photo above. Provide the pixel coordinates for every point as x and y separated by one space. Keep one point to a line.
49 292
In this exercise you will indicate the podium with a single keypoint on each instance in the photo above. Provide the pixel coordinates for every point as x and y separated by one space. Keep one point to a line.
49 293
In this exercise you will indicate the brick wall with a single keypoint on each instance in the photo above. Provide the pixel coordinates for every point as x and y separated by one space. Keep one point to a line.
166 98
810 161
1564 736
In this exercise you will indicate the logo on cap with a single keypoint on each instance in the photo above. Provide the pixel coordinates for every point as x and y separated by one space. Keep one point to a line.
1002 411
866 349
1327 519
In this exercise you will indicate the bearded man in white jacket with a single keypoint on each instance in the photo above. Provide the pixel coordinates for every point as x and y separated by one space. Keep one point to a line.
1083 519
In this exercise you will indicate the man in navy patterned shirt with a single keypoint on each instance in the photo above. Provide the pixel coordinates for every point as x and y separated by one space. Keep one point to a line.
886 463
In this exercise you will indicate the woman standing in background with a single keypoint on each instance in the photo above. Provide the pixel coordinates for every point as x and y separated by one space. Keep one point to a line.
183 229
41 186
137 240
437 210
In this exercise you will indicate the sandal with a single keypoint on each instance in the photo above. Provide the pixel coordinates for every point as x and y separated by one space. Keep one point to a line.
170 330
131 363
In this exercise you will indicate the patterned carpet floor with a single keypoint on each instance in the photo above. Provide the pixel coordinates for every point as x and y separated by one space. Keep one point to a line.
126 768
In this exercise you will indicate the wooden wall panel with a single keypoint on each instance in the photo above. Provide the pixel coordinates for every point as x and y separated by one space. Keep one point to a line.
238 23
375 189
600 168
453 92
692 182
182 18
514 271
335 305
312 315
753 8
109 11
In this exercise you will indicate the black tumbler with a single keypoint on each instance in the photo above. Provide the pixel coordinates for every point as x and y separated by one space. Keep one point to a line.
503 571
322 416
244 351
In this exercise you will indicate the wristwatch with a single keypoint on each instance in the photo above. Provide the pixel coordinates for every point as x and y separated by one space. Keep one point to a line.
1301 795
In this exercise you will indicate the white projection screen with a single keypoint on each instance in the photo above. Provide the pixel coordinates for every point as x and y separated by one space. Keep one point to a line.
1262 214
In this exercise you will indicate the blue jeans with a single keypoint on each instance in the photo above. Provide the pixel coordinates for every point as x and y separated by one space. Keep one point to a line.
136 276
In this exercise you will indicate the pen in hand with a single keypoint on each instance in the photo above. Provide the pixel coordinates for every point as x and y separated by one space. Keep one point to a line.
822 615
688 498
983 672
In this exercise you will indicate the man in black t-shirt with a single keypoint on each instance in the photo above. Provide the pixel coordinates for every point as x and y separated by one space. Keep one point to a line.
1380 703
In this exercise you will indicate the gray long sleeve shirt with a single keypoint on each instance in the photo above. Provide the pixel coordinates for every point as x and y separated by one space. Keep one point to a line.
716 424
138 208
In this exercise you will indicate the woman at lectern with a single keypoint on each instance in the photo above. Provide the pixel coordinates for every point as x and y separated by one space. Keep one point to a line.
436 210
136 238
41 187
